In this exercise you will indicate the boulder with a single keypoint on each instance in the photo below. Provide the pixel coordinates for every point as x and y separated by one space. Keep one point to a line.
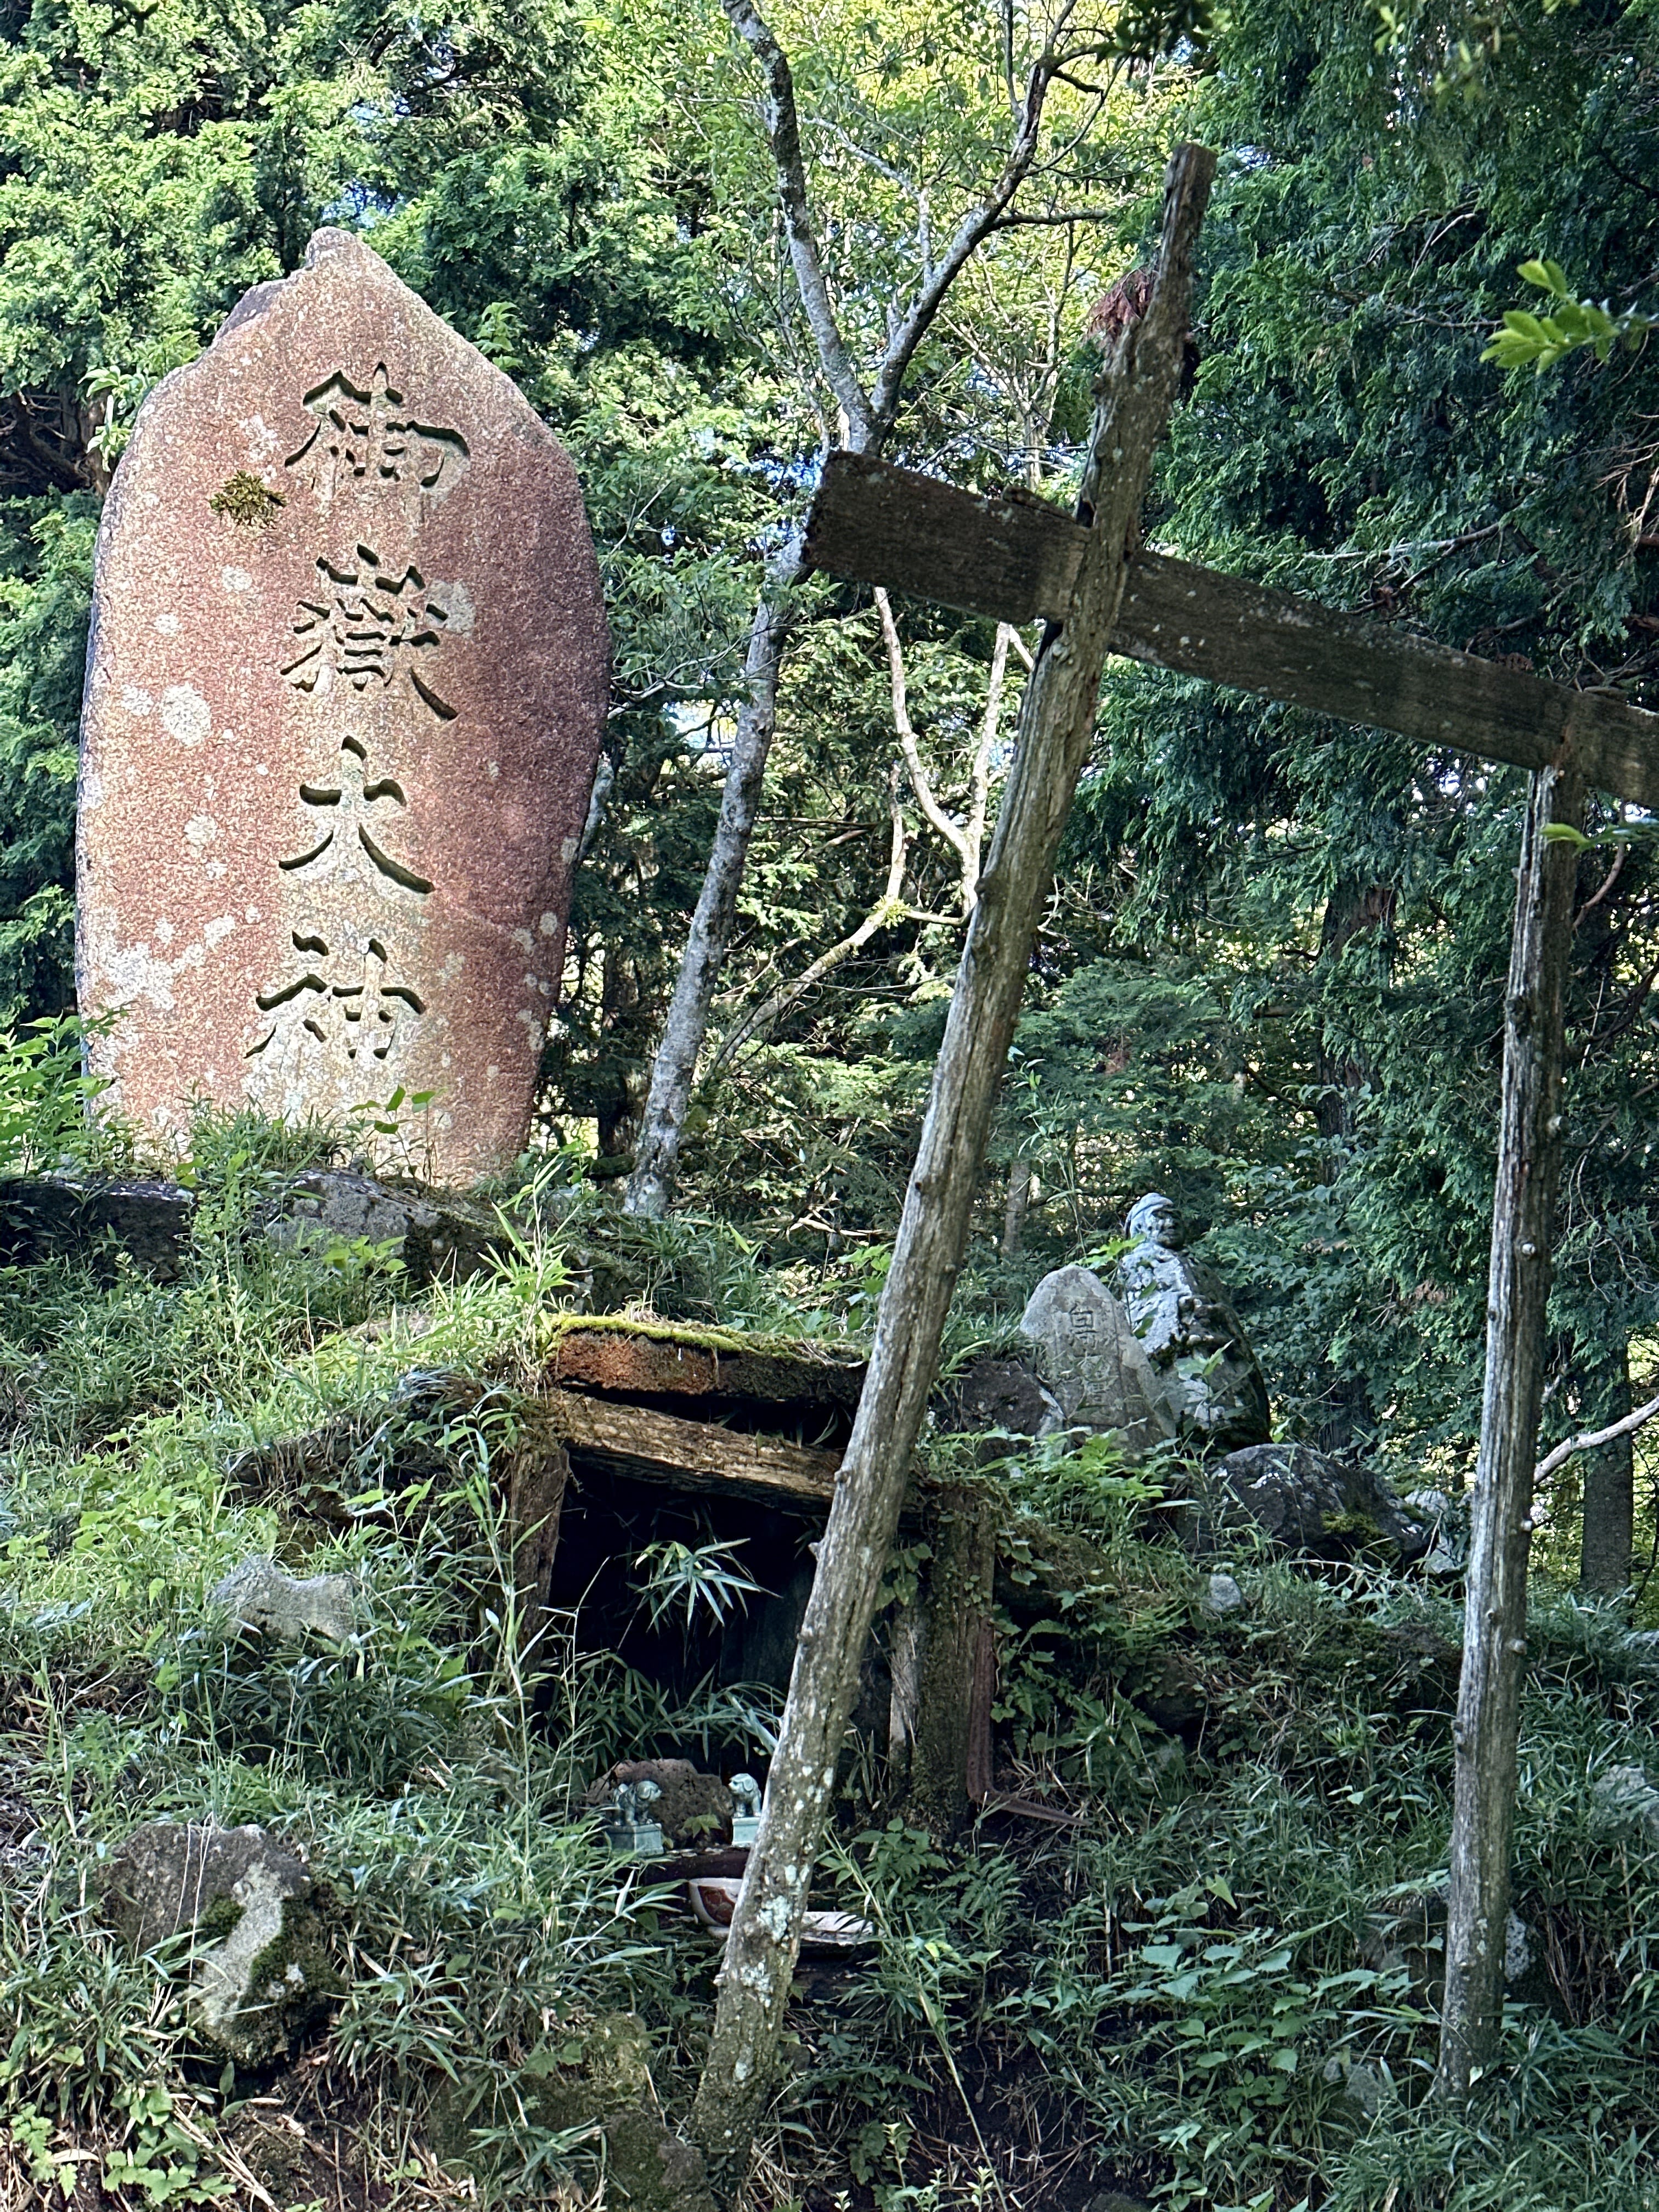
1447 1552
437 1234
1194 1341
54 1216
1091 1361
998 1394
257 1595
1305 1501
1363 2084
601 2079
1625 1798
261 1976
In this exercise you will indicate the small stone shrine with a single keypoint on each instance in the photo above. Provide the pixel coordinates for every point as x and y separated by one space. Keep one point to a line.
1196 1342
345 689
1091 1361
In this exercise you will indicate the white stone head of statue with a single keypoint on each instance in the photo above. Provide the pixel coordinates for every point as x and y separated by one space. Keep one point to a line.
1153 1220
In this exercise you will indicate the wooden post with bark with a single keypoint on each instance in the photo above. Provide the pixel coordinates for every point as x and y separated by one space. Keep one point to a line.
948 1765
1486 1735
1135 393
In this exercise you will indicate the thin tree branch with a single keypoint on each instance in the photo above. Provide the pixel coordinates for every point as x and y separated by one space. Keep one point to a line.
1608 883
1017 219
975 226
782 125
907 746
888 907
1563 1453
979 784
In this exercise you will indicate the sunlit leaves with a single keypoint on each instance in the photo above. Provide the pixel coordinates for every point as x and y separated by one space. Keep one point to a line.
1539 342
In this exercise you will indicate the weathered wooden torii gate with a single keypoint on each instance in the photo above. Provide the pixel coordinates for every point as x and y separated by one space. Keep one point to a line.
1016 559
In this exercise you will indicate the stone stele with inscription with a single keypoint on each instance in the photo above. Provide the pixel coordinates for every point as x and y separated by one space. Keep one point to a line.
345 689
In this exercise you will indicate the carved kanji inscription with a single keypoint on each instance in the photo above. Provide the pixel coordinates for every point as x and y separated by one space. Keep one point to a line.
370 441
362 626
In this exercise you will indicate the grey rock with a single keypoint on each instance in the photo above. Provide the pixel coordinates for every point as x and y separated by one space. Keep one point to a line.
1434 1507
1307 1502
257 1595
437 1234
1221 1595
1363 2084
57 1216
1194 1341
1628 1799
602 2080
1093 1362
1000 1393
261 1973
1409 1935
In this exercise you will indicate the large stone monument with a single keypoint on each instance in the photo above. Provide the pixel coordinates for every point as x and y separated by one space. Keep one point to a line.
1090 1358
344 694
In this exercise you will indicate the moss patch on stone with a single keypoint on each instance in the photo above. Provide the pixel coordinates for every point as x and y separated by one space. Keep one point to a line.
244 500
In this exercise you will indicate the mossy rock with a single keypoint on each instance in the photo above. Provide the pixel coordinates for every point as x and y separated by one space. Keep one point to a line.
1043 1568
262 1978
602 2079
597 2079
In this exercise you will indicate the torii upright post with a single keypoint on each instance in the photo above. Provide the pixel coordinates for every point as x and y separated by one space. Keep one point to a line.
1487 1732
1015 558
1136 391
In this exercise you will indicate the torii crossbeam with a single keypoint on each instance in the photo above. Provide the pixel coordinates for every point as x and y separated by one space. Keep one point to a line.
1016 560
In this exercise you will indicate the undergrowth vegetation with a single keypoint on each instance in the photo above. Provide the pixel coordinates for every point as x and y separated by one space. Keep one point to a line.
1189 1954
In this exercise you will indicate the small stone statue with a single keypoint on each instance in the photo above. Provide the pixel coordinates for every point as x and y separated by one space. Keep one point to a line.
630 1826
1194 1341
746 1802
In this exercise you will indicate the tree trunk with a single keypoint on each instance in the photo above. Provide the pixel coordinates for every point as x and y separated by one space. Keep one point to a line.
1495 1606
1604 1555
867 417
1022 1186
651 1186
1057 724
906 1652
958 1613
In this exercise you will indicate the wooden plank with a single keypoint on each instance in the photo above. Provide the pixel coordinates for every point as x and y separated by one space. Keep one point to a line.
635 1363
700 1455
1015 559
1199 622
